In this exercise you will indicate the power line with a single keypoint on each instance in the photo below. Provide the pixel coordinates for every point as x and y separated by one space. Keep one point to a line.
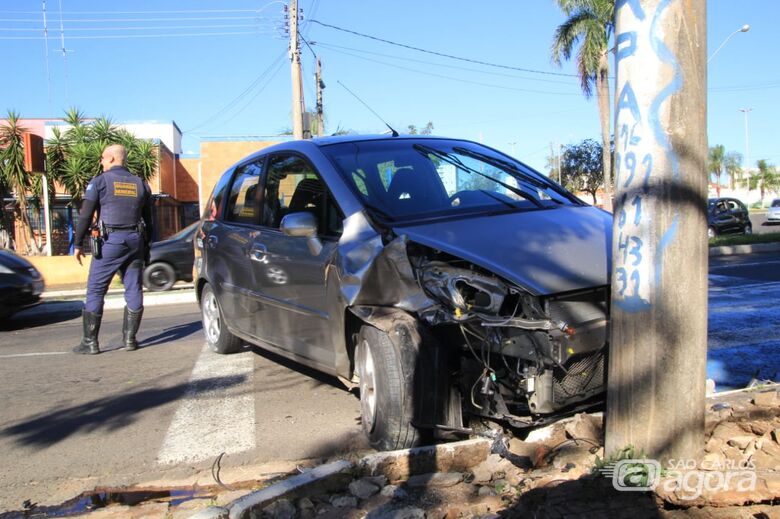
460 80
119 36
167 19
450 56
153 11
147 28
243 94
514 76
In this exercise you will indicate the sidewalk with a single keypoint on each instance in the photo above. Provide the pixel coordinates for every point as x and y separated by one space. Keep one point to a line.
180 293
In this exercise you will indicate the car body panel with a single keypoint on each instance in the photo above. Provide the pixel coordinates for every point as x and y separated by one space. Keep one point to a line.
21 285
773 213
176 251
551 251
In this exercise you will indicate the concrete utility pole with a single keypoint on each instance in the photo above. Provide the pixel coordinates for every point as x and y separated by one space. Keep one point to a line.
746 111
658 350
295 70
320 110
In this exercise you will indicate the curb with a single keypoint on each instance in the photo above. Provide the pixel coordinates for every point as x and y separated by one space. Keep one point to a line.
399 464
727 250
115 298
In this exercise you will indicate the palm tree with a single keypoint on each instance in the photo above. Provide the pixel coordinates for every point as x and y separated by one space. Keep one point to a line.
590 23
15 176
733 165
715 164
766 179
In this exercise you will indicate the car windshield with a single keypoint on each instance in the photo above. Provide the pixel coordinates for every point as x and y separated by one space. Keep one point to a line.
401 180
776 202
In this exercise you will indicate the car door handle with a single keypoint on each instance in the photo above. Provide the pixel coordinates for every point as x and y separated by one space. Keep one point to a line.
259 253
212 241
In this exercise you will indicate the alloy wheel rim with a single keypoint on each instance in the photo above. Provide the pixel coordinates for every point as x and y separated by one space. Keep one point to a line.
159 278
211 318
367 376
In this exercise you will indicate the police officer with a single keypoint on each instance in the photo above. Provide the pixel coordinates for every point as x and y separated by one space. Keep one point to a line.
124 205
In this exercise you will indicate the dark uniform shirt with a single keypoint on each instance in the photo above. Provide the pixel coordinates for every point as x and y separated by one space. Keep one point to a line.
123 199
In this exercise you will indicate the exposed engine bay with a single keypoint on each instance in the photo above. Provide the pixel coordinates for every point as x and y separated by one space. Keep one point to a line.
522 358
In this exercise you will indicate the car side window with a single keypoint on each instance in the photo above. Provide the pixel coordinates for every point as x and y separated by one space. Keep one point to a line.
244 202
293 185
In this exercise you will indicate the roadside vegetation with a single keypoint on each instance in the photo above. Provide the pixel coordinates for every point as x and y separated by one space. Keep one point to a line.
744 239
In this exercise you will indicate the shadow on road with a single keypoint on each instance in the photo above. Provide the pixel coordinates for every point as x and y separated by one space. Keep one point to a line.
109 414
319 376
46 313
174 333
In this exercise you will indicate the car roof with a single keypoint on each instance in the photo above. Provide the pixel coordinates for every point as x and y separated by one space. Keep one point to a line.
339 139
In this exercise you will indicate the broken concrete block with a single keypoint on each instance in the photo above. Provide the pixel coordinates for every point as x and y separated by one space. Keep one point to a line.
363 489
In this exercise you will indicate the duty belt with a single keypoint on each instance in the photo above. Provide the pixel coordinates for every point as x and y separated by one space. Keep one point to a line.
112 228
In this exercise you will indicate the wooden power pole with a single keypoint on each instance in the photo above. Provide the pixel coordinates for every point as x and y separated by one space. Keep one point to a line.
657 363
295 72
320 110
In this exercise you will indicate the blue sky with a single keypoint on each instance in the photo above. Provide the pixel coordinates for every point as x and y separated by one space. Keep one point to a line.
220 69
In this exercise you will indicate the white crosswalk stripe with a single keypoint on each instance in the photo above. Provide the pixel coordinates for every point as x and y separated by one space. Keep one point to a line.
216 414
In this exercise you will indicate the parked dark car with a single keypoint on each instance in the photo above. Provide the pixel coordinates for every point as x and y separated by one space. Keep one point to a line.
21 285
727 216
170 260
451 283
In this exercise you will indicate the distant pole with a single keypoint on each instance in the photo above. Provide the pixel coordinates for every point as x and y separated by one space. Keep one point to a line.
46 213
295 73
658 345
746 111
320 112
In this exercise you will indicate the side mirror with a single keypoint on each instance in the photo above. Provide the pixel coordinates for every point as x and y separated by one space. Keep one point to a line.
303 225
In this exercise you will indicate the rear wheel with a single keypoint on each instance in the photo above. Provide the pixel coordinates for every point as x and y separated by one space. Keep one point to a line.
217 334
159 276
386 391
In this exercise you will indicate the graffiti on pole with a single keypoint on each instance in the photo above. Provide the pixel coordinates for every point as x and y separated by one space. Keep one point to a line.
648 74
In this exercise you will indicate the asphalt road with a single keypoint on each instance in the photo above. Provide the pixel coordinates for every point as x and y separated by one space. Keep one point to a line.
69 423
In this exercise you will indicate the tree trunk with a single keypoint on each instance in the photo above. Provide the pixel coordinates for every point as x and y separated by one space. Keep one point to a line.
602 89
658 348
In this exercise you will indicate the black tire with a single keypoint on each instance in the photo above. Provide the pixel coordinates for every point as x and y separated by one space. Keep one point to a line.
159 276
217 335
386 392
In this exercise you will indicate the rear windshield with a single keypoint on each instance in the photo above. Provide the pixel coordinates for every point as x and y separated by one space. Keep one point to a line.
409 179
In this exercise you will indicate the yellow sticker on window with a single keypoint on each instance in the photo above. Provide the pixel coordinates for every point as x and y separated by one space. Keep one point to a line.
125 189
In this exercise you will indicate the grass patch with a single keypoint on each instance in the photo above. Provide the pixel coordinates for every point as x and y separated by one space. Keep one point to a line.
744 239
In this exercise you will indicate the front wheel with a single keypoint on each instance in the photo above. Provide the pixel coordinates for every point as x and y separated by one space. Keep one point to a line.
217 334
386 392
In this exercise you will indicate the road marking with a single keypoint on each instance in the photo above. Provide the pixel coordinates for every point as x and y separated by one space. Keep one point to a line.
210 420
33 354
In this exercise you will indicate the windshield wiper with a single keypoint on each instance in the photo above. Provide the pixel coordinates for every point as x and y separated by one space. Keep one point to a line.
542 184
446 157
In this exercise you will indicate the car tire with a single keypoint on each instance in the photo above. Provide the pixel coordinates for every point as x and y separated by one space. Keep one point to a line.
386 392
159 277
711 232
217 335
748 229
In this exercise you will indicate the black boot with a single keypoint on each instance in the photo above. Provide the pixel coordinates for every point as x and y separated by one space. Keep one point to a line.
130 327
89 343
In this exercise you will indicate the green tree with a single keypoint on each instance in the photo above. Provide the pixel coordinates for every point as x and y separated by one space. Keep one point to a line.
16 178
715 160
425 130
590 23
766 179
73 155
582 167
732 163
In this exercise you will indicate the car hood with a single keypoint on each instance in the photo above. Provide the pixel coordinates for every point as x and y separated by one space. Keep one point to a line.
13 261
545 251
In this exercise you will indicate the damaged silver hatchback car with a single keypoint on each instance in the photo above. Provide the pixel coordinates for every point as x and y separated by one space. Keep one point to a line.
451 283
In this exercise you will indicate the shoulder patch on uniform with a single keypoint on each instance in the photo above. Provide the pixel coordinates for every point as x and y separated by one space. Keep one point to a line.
125 189
89 186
